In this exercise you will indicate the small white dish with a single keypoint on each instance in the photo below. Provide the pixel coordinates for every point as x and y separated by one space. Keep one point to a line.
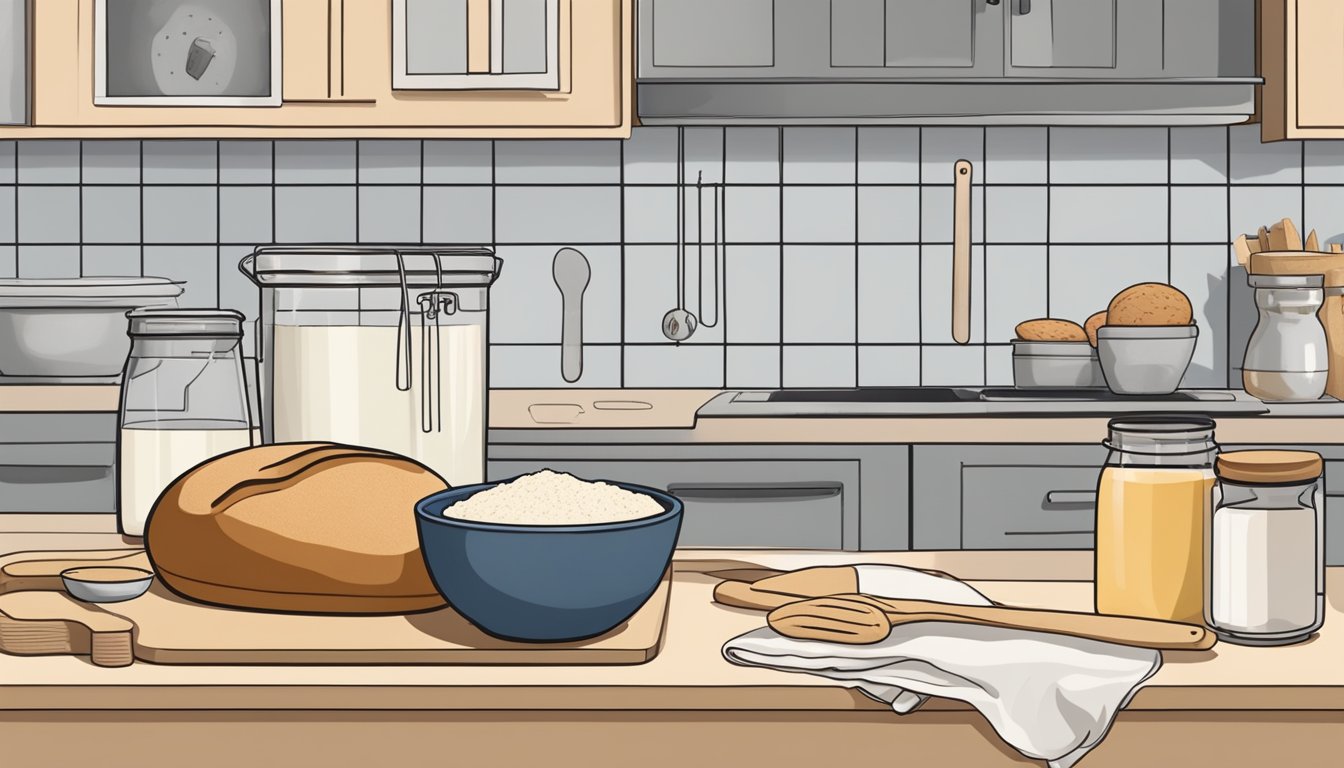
106 583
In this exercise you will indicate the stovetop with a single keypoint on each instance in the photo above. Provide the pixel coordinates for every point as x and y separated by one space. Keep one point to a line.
971 401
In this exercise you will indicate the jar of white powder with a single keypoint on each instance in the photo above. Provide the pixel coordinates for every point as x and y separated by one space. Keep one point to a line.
1265 583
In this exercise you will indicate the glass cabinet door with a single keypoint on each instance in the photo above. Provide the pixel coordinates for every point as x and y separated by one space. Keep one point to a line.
476 44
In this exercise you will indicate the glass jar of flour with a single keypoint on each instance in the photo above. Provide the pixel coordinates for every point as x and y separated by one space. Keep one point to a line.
183 400
378 347
1266 545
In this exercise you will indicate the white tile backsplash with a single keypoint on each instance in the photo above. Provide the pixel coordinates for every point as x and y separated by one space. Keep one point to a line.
858 253
1199 214
888 155
1015 155
889 366
1108 155
1127 214
819 290
819 155
820 366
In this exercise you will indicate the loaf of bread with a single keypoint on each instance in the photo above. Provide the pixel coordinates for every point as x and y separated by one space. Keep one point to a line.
297 527
1093 323
1047 329
1149 304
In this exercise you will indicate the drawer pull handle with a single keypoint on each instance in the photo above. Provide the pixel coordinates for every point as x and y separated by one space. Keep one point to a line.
741 492
1070 499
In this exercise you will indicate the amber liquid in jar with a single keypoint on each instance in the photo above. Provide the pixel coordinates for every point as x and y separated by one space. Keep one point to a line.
1150 542
1153 500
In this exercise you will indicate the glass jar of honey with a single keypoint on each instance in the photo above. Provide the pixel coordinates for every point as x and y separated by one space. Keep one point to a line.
1154 496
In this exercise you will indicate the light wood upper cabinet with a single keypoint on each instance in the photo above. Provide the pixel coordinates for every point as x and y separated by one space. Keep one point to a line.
341 78
1301 50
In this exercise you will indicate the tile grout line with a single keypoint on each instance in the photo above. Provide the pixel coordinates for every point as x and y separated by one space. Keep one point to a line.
858 361
780 153
919 254
620 156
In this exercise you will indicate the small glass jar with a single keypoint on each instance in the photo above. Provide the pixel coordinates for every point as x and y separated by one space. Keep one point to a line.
1266 548
1152 500
183 400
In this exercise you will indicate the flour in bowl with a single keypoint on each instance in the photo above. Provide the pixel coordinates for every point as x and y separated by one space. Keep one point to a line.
554 498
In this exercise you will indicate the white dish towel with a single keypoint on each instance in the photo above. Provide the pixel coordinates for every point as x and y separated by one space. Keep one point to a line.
1051 697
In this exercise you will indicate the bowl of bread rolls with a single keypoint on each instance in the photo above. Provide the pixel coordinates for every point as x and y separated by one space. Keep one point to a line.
1054 354
1141 344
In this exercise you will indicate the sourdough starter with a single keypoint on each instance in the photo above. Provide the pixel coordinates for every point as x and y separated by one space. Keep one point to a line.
152 458
338 383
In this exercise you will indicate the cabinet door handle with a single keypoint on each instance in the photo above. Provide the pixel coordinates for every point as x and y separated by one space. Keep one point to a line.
1070 499
991 2
747 492
1023 7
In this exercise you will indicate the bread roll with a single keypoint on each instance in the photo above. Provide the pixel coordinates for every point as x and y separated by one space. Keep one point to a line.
298 527
1149 304
1093 323
1046 329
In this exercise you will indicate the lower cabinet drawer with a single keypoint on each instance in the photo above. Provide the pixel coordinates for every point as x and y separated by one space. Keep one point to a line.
790 504
52 477
1005 496
1029 507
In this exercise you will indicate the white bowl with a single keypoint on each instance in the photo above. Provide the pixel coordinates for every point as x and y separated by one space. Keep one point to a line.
1145 360
106 583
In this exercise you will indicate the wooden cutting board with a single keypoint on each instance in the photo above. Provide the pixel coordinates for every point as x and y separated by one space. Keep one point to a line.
38 618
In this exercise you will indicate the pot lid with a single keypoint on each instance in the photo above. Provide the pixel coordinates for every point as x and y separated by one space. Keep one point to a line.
74 291
185 322
385 266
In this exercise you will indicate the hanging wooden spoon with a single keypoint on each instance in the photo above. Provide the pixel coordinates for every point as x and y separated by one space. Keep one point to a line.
862 620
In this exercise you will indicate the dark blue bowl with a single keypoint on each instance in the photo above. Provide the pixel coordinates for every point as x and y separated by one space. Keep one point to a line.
546 583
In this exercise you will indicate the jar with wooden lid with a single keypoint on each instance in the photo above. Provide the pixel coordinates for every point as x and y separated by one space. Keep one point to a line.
1265 583
1153 498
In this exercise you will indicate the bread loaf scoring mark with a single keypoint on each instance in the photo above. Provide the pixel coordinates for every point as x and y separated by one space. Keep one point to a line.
320 447
246 489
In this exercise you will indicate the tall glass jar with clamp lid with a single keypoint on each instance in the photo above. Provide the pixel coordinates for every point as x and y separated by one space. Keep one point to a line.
183 400
377 347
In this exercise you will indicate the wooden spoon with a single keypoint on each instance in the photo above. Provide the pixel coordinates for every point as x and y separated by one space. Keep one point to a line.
1312 244
862 620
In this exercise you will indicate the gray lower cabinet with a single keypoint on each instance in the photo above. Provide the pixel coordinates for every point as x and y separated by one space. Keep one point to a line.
1004 496
57 462
813 497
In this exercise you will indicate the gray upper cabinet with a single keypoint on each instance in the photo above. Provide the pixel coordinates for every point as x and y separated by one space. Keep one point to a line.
865 39
913 38
1015 62
1070 34
711 34
1129 39
13 62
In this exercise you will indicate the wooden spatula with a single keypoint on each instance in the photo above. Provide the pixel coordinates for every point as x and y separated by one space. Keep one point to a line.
1242 247
1262 236
862 620
782 588
1312 244
1292 240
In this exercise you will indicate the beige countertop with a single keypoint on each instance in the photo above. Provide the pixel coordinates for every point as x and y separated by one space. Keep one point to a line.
669 416
688 674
